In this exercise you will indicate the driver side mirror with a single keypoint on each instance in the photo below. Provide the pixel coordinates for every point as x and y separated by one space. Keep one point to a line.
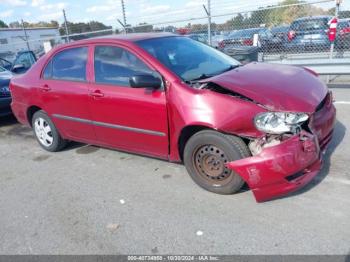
18 68
145 81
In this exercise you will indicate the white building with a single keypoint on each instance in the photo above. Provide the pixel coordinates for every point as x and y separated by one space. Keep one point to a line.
13 40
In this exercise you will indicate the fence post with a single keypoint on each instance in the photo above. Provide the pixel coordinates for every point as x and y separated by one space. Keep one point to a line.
337 2
209 23
25 35
65 25
124 28
208 11
124 15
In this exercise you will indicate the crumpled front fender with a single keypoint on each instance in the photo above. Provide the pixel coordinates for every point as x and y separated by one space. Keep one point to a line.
282 168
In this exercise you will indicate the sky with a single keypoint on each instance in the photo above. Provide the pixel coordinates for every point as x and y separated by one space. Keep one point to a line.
137 11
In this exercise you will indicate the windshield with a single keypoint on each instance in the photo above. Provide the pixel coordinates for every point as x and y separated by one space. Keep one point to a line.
187 58
2 69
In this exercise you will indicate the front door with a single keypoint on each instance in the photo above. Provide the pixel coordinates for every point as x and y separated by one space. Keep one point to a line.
131 119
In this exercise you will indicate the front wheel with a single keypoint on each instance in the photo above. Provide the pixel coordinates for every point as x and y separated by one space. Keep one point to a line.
46 132
206 155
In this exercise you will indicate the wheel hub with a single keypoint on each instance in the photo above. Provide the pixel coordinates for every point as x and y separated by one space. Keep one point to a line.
43 132
210 162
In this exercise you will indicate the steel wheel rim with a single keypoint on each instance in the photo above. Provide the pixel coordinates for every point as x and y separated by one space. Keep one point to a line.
43 132
210 163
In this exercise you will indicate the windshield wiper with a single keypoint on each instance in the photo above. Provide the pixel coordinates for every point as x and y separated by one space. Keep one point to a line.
231 67
204 76
201 77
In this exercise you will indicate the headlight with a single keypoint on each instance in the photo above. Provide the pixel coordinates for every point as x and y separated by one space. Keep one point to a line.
279 123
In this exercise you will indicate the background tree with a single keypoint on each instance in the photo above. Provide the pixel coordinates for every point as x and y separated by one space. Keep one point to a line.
3 24
80 27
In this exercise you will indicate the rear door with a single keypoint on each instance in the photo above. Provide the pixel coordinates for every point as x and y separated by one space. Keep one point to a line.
133 119
63 91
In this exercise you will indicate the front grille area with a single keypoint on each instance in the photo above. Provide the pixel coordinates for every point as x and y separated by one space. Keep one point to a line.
5 94
294 176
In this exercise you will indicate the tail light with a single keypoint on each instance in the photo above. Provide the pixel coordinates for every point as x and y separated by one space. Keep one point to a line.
248 42
291 35
222 44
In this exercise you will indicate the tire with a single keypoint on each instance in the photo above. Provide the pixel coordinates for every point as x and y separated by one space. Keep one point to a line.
205 155
46 133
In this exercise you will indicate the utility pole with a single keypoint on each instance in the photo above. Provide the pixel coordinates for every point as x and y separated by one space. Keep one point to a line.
124 16
25 35
65 25
208 11
337 7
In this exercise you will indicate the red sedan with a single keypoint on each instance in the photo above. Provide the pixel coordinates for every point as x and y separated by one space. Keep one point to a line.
173 98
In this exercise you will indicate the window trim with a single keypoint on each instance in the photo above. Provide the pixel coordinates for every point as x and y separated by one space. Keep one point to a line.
93 80
52 56
47 64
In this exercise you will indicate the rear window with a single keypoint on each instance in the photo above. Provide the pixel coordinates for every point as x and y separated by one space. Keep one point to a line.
69 64
310 24
245 33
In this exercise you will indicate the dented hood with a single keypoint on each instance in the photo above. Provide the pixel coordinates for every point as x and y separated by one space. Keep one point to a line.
277 87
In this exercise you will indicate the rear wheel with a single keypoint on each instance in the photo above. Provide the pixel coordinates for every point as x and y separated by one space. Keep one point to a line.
206 155
46 132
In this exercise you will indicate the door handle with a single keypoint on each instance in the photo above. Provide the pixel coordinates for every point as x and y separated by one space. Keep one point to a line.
97 93
45 88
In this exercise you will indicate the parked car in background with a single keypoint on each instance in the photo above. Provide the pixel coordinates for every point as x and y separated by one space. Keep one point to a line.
265 41
343 34
280 32
218 38
203 38
170 97
308 34
21 63
4 63
5 96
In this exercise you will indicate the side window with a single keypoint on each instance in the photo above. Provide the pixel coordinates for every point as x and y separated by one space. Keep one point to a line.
48 71
70 64
115 65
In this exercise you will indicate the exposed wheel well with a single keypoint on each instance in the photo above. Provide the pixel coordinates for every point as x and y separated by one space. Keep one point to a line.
185 135
30 112
189 131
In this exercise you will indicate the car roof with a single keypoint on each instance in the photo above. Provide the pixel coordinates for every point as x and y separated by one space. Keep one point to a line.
130 37
313 18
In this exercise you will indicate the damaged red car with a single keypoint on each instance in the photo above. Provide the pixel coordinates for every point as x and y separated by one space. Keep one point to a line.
173 98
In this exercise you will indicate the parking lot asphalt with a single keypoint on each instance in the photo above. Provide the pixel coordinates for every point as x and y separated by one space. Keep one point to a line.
89 200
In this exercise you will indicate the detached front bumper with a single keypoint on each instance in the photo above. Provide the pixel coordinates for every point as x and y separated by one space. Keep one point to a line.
288 166
281 169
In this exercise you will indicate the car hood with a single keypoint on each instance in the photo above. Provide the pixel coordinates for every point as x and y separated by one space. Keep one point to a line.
276 87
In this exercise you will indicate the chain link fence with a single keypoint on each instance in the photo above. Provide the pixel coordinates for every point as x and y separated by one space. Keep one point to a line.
288 31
